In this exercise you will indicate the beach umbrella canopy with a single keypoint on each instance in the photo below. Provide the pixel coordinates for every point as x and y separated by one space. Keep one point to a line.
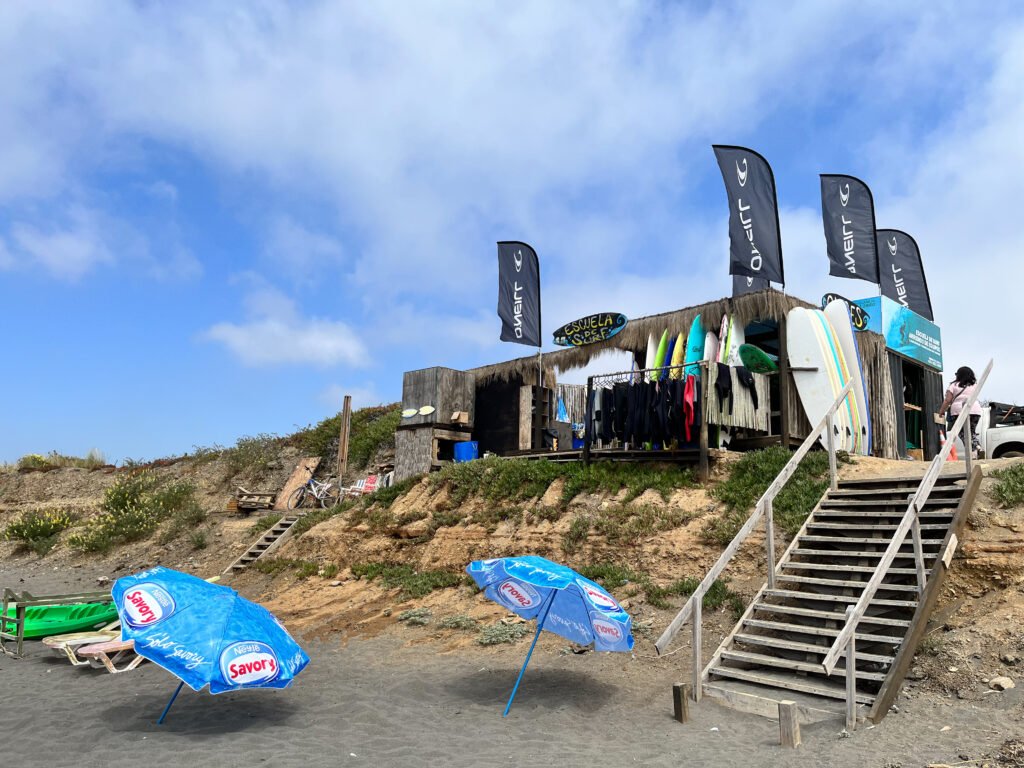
205 633
562 601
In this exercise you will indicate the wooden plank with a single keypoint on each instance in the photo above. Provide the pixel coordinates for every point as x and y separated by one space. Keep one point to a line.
919 623
789 725
526 418
792 664
851 677
790 682
844 583
681 693
845 568
302 472
792 645
794 610
781 626
785 594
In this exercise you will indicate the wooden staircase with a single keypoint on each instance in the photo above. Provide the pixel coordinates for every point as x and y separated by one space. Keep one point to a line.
775 652
270 540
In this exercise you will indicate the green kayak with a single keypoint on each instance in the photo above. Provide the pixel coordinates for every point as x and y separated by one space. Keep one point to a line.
46 620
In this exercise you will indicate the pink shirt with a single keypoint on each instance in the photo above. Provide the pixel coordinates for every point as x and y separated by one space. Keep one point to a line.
960 396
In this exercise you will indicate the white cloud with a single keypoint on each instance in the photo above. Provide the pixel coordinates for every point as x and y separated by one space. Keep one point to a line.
67 252
275 333
362 396
301 251
7 260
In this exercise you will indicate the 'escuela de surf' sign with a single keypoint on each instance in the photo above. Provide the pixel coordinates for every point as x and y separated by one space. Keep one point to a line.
590 329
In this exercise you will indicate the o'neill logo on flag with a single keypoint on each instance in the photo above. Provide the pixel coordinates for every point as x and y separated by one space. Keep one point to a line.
519 293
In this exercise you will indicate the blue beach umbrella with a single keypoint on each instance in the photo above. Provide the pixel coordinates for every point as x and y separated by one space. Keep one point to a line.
204 633
562 601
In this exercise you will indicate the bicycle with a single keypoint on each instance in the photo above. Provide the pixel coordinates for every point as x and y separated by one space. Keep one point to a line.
327 493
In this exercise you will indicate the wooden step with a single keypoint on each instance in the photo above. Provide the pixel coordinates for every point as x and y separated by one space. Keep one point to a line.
764 660
844 568
862 541
899 482
786 594
785 626
843 584
833 553
795 610
791 645
880 527
790 682
903 493
896 514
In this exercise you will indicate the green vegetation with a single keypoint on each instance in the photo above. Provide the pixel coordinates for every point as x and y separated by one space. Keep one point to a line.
491 516
613 576
133 508
198 539
38 531
415 616
628 524
413 583
274 565
517 480
445 519
386 496
54 460
460 621
494 634
579 530
411 517
371 430
252 455
1009 487
750 477
329 571
263 523
317 516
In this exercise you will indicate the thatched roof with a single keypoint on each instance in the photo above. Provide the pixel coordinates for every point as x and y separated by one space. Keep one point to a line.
762 305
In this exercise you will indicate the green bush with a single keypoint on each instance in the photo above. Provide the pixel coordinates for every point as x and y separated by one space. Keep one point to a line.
750 477
318 516
415 616
54 460
579 530
133 508
253 455
413 583
38 531
494 634
612 477
628 524
198 539
1009 487
613 576
386 496
371 429
460 621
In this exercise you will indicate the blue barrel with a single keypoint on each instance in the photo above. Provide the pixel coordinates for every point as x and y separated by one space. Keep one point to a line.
466 451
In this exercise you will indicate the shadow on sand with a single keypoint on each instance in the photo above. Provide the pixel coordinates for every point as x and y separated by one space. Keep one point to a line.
547 689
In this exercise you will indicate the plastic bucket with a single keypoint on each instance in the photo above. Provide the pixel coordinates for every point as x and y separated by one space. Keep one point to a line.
466 451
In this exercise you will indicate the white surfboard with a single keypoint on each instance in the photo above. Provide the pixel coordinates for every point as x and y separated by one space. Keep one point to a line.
710 346
816 378
652 352
731 337
838 314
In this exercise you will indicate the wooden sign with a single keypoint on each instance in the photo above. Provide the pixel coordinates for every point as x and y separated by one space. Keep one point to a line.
858 316
590 329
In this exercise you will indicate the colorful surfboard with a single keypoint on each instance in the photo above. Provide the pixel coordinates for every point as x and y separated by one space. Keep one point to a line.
678 356
694 346
757 360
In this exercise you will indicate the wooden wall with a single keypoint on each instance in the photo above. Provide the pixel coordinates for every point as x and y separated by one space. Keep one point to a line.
446 389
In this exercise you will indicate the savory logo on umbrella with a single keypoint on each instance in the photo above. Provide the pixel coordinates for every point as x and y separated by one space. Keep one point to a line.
517 594
597 597
146 604
249 663
606 630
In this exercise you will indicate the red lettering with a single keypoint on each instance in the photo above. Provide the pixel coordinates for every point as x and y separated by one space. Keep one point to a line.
139 601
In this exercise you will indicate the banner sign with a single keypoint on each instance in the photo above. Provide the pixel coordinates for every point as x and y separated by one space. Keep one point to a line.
848 212
755 244
590 329
902 271
858 317
742 285
519 293
905 331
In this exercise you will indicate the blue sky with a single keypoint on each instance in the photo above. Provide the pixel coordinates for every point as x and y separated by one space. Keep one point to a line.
217 219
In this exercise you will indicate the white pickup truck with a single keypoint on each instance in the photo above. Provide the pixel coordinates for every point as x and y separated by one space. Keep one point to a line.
1002 431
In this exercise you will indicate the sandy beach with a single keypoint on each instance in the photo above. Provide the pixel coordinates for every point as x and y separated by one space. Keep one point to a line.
396 700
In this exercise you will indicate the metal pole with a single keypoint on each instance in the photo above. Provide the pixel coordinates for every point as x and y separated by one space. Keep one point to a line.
831 443
168 707
769 529
586 421
540 626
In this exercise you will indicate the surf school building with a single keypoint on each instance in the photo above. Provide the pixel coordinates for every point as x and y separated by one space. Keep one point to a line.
500 409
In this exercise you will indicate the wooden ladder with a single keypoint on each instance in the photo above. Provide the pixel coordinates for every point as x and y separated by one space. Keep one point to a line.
270 540
775 652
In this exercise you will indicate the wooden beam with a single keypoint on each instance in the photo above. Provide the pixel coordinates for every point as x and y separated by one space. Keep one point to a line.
789 724
681 693
784 377
346 426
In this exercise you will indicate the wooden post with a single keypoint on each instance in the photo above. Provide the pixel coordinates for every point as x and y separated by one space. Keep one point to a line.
698 658
681 693
831 442
851 676
769 529
587 416
915 527
967 444
346 426
703 473
783 384
789 724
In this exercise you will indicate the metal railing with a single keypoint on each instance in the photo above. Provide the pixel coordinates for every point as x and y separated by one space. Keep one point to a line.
844 642
763 508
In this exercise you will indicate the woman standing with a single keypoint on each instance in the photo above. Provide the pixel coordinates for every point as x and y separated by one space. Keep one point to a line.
958 393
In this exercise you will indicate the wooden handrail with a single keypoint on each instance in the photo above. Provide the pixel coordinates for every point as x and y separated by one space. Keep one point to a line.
910 518
765 502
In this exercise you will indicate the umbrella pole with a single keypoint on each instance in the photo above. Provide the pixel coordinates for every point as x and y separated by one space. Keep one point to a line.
168 707
540 626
